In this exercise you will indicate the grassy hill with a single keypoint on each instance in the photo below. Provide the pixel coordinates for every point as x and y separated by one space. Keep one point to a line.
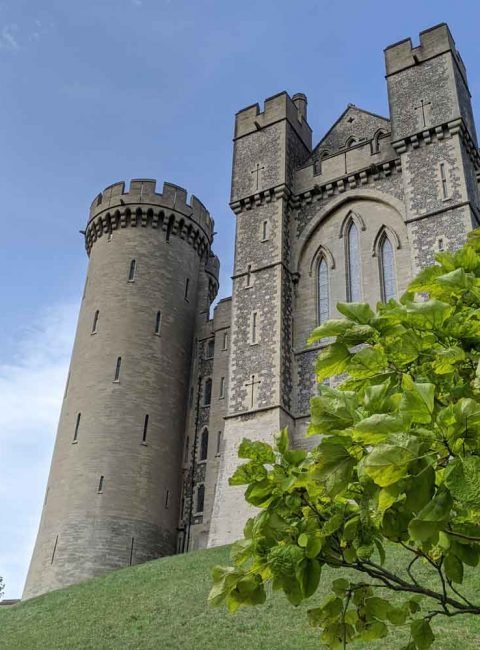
162 605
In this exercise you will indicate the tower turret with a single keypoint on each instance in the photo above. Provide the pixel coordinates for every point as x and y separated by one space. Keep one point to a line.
113 492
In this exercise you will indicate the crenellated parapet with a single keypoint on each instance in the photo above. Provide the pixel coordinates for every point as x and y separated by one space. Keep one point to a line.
141 206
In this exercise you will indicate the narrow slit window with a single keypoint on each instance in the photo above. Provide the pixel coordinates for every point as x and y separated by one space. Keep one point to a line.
54 549
167 499
387 270
248 279
200 498
187 286
221 394
353 265
66 385
95 321
225 341
204 445
117 369
158 321
132 546
441 244
443 178
219 442
207 398
145 428
132 271
254 327
77 427
100 485
264 230
323 291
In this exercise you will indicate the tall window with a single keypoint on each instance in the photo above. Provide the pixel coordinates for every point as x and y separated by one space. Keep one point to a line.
117 369
353 265
204 445
131 272
323 304
187 285
95 321
207 397
77 427
158 320
100 484
145 429
221 394
264 230
387 270
219 442
225 341
200 498
254 327
210 349
443 178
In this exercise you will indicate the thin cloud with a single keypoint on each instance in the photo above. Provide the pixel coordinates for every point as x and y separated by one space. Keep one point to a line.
8 40
31 392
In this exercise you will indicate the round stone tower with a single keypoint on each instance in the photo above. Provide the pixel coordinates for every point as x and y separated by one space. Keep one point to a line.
113 493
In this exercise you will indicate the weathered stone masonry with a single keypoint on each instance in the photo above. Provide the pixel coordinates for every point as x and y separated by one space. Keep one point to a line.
373 191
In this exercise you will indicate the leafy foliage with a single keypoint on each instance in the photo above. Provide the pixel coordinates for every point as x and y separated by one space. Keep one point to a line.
397 463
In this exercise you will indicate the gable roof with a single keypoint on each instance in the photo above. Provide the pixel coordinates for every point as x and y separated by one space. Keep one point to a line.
355 123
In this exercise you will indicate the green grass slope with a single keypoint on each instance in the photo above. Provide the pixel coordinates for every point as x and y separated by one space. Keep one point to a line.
163 605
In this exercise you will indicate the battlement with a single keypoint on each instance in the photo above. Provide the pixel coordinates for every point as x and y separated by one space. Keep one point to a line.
143 191
213 266
433 41
276 108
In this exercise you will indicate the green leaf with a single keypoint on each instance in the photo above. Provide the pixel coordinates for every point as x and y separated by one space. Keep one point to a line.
340 586
446 360
247 473
374 631
259 451
333 467
329 328
417 400
359 312
387 464
368 362
375 429
428 315
308 575
333 360
422 634
463 480
282 442
377 607
453 568
420 490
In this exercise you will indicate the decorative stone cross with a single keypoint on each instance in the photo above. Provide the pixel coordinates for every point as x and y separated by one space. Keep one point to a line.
422 106
253 384
257 171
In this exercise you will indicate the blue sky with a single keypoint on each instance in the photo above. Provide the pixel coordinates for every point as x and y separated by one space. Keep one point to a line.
98 91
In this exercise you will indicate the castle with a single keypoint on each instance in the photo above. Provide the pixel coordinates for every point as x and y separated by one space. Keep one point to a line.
159 395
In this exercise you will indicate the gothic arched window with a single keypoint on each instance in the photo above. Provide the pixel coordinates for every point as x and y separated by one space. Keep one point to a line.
387 269
323 302
204 445
353 265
